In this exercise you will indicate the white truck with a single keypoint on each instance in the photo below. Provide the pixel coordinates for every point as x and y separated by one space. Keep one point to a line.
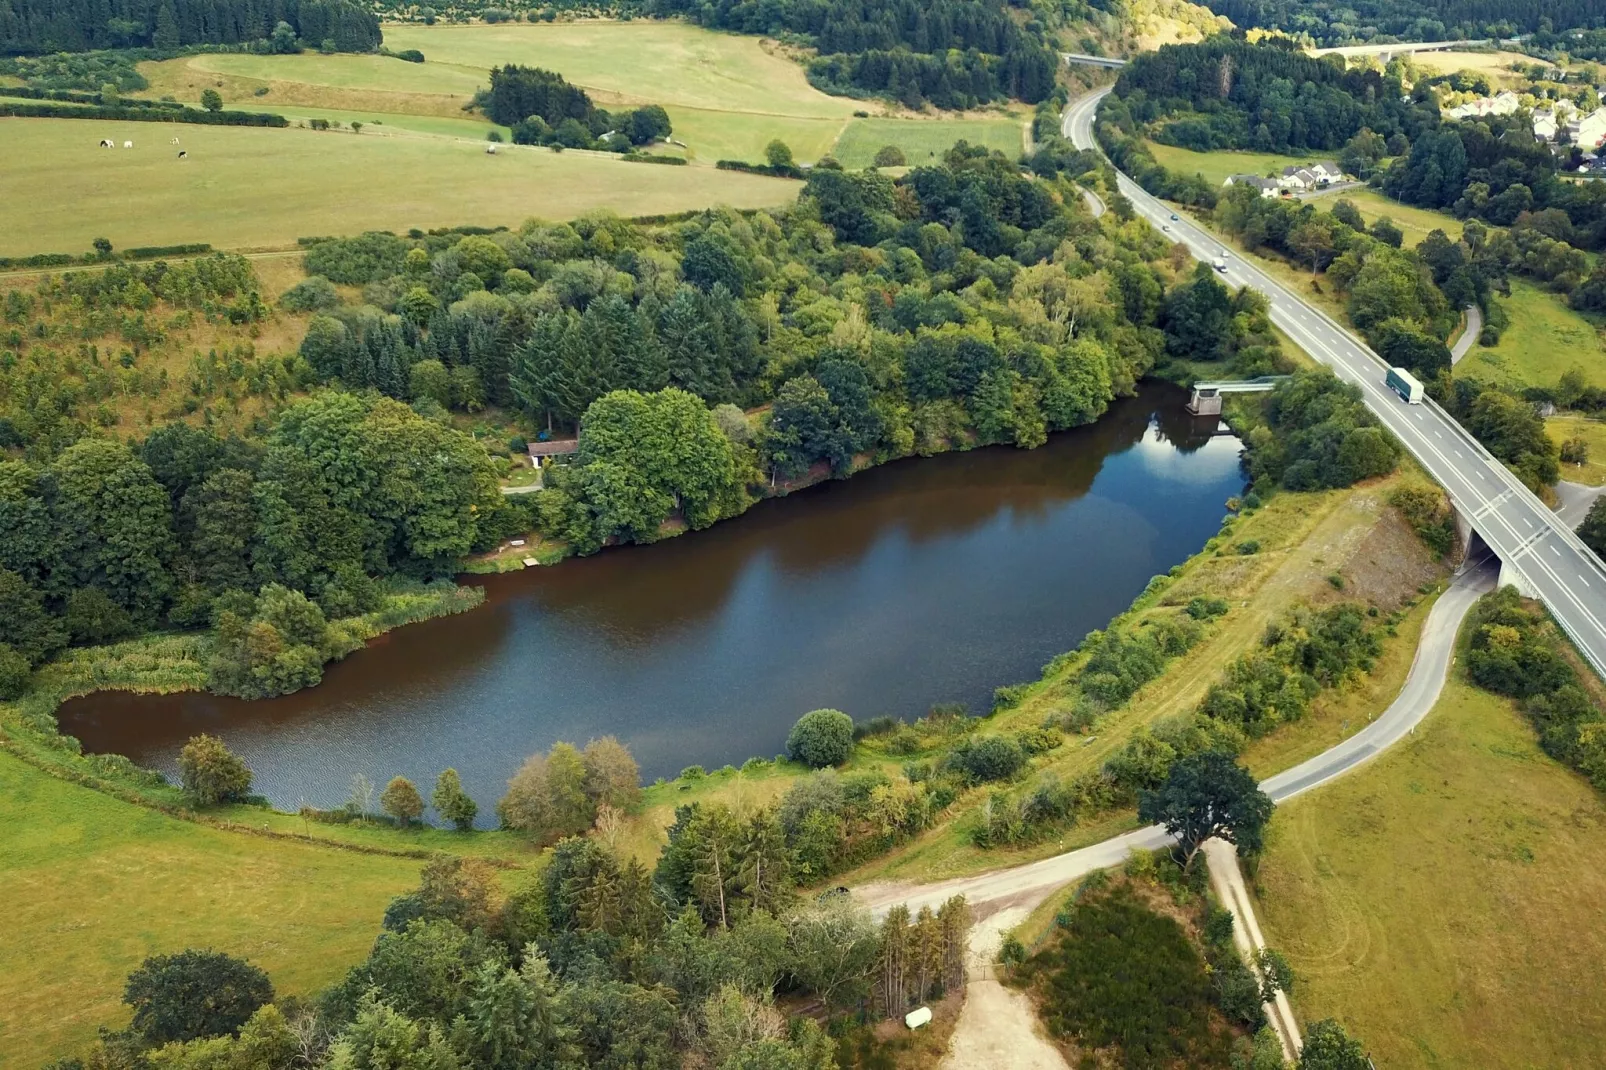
1219 263
1406 385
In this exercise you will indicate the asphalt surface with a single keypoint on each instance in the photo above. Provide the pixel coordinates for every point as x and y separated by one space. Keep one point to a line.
1469 337
1540 553
1030 883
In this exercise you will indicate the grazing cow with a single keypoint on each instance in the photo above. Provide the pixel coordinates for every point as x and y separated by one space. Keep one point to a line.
128 144
490 150
105 144
183 155
175 141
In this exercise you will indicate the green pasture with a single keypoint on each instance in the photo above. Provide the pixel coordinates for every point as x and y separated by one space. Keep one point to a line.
1216 166
1545 340
1444 902
251 188
646 62
923 140
1593 432
348 72
1415 223
92 885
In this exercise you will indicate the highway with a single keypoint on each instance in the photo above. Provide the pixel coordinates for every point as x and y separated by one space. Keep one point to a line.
1539 553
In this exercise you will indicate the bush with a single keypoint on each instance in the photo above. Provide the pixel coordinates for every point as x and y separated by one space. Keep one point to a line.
14 673
984 758
1248 547
211 773
1203 608
821 738
312 294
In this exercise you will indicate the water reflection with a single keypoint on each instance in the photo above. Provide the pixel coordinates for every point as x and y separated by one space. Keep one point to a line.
923 581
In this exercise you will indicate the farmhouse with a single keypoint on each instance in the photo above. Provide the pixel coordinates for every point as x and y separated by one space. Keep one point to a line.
1267 187
552 448
1311 176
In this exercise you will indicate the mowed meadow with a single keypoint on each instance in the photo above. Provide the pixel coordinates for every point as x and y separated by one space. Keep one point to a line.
419 159
243 188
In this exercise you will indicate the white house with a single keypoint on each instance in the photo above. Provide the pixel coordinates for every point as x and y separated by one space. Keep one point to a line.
1500 104
1588 131
1267 187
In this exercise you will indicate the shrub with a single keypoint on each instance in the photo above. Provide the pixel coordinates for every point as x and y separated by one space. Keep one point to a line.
193 994
984 758
1204 608
890 156
1120 975
312 294
14 673
821 738
211 773
1248 546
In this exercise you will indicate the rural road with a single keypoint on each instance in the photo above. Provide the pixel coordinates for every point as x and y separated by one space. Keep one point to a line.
1095 203
1469 337
1575 500
1029 884
1539 553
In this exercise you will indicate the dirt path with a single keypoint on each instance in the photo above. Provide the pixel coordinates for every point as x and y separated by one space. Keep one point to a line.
998 1027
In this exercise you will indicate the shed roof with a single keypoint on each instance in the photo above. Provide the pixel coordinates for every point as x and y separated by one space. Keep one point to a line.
554 448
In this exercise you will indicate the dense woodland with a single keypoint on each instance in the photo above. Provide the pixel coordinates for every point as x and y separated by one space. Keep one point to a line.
1227 93
1327 22
706 363
40 26
953 53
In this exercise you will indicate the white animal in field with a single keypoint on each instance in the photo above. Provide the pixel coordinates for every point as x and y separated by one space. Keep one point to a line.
490 150
105 143
128 144
175 141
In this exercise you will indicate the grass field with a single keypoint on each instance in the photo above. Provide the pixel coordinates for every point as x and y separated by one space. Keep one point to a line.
1415 223
1445 901
243 188
646 62
923 140
1216 166
92 885
1592 472
1545 340
727 95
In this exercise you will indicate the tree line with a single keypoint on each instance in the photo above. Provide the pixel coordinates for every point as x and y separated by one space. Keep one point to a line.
1227 93
1328 22
545 109
269 540
41 26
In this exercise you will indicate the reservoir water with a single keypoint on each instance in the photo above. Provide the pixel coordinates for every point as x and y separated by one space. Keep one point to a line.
927 580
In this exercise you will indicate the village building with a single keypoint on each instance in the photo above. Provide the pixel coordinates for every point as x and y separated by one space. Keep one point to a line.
1267 187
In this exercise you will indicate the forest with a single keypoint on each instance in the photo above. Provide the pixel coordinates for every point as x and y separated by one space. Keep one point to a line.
43 26
1331 23
706 362
953 53
1227 93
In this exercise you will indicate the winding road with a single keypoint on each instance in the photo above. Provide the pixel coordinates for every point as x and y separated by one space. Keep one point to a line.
1539 553
1027 885
1469 336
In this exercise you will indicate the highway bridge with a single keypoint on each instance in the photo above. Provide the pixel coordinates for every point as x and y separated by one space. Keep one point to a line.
1092 61
1539 554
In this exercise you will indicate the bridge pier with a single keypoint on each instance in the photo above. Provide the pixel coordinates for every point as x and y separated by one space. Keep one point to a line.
1512 576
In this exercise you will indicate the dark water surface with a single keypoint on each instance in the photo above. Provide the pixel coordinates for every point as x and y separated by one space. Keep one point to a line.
928 580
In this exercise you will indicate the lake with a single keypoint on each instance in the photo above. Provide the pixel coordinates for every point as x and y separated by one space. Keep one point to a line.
923 581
